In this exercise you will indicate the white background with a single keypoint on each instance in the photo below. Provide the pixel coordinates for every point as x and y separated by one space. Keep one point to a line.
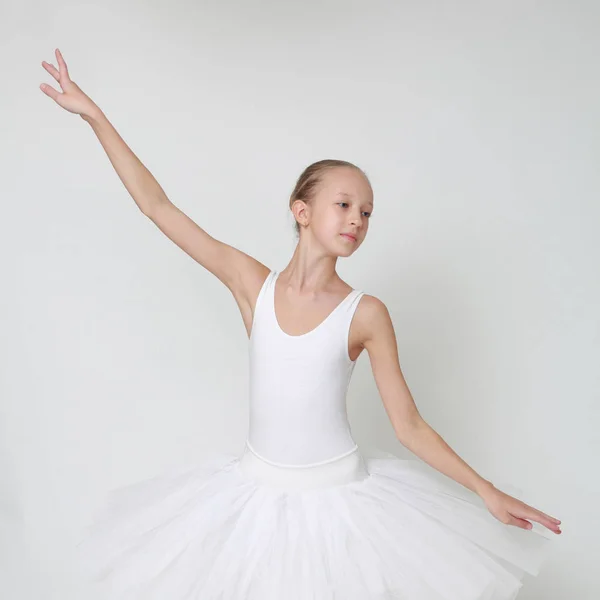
477 124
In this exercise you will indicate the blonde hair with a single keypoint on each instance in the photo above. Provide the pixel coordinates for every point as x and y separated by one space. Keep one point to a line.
311 177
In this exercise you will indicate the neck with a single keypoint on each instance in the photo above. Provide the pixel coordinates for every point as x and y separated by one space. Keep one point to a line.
309 271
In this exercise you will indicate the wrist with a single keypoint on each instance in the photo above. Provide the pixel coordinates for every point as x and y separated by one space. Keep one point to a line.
94 116
484 487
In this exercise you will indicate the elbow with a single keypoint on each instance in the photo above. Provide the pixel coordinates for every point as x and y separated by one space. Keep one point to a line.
147 210
150 206
406 427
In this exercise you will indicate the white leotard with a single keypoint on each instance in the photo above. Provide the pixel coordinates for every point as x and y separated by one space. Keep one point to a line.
298 385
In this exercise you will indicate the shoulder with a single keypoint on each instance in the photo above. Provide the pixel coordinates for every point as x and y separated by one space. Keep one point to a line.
372 318
372 306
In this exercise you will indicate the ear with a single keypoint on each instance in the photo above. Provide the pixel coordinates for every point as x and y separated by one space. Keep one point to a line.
301 212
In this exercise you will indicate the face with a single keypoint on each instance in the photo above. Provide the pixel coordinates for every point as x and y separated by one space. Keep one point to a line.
338 216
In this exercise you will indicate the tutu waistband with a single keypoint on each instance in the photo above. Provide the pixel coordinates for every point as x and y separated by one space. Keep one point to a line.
348 468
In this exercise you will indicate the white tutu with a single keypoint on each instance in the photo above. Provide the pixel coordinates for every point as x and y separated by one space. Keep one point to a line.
211 531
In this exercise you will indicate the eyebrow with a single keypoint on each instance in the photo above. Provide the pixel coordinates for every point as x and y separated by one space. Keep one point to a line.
349 196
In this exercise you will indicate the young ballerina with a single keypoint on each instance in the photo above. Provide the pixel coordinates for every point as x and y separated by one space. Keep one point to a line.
303 513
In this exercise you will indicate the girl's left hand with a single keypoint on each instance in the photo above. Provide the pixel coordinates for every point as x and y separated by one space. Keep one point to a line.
512 511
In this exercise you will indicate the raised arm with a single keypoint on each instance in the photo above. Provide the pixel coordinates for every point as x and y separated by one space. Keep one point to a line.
241 273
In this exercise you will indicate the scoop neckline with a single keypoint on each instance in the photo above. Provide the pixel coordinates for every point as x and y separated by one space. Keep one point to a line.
302 335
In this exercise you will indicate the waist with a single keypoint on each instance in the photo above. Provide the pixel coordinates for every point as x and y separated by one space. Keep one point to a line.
338 470
288 436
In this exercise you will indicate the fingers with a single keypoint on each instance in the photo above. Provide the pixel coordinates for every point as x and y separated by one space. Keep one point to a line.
547 522
62 64
51 69
50 91
543 518
511 519
557 521
58 74
522 523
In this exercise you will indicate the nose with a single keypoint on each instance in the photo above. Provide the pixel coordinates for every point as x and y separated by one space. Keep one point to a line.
356 219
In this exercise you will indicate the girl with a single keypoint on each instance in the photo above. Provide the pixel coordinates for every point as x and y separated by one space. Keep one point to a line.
303 513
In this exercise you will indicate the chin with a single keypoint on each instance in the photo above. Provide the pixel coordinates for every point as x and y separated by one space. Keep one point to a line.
347 248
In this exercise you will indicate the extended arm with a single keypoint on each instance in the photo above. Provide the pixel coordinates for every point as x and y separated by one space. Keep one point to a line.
418 436
241 273
411 429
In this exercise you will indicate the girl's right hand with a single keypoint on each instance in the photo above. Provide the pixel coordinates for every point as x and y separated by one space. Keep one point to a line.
71 98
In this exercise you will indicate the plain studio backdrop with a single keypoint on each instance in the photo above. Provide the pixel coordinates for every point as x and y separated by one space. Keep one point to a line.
477 124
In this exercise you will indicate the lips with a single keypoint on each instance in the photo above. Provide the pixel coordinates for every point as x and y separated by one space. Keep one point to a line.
349 236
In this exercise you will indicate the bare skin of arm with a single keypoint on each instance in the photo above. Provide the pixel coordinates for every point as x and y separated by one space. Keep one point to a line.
242 274
417 435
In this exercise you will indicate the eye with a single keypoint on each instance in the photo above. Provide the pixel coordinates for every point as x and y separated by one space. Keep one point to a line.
367 213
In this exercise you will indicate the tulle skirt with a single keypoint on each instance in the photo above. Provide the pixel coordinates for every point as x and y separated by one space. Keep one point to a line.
358 528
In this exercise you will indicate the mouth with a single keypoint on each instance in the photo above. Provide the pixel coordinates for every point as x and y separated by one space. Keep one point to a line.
348 236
